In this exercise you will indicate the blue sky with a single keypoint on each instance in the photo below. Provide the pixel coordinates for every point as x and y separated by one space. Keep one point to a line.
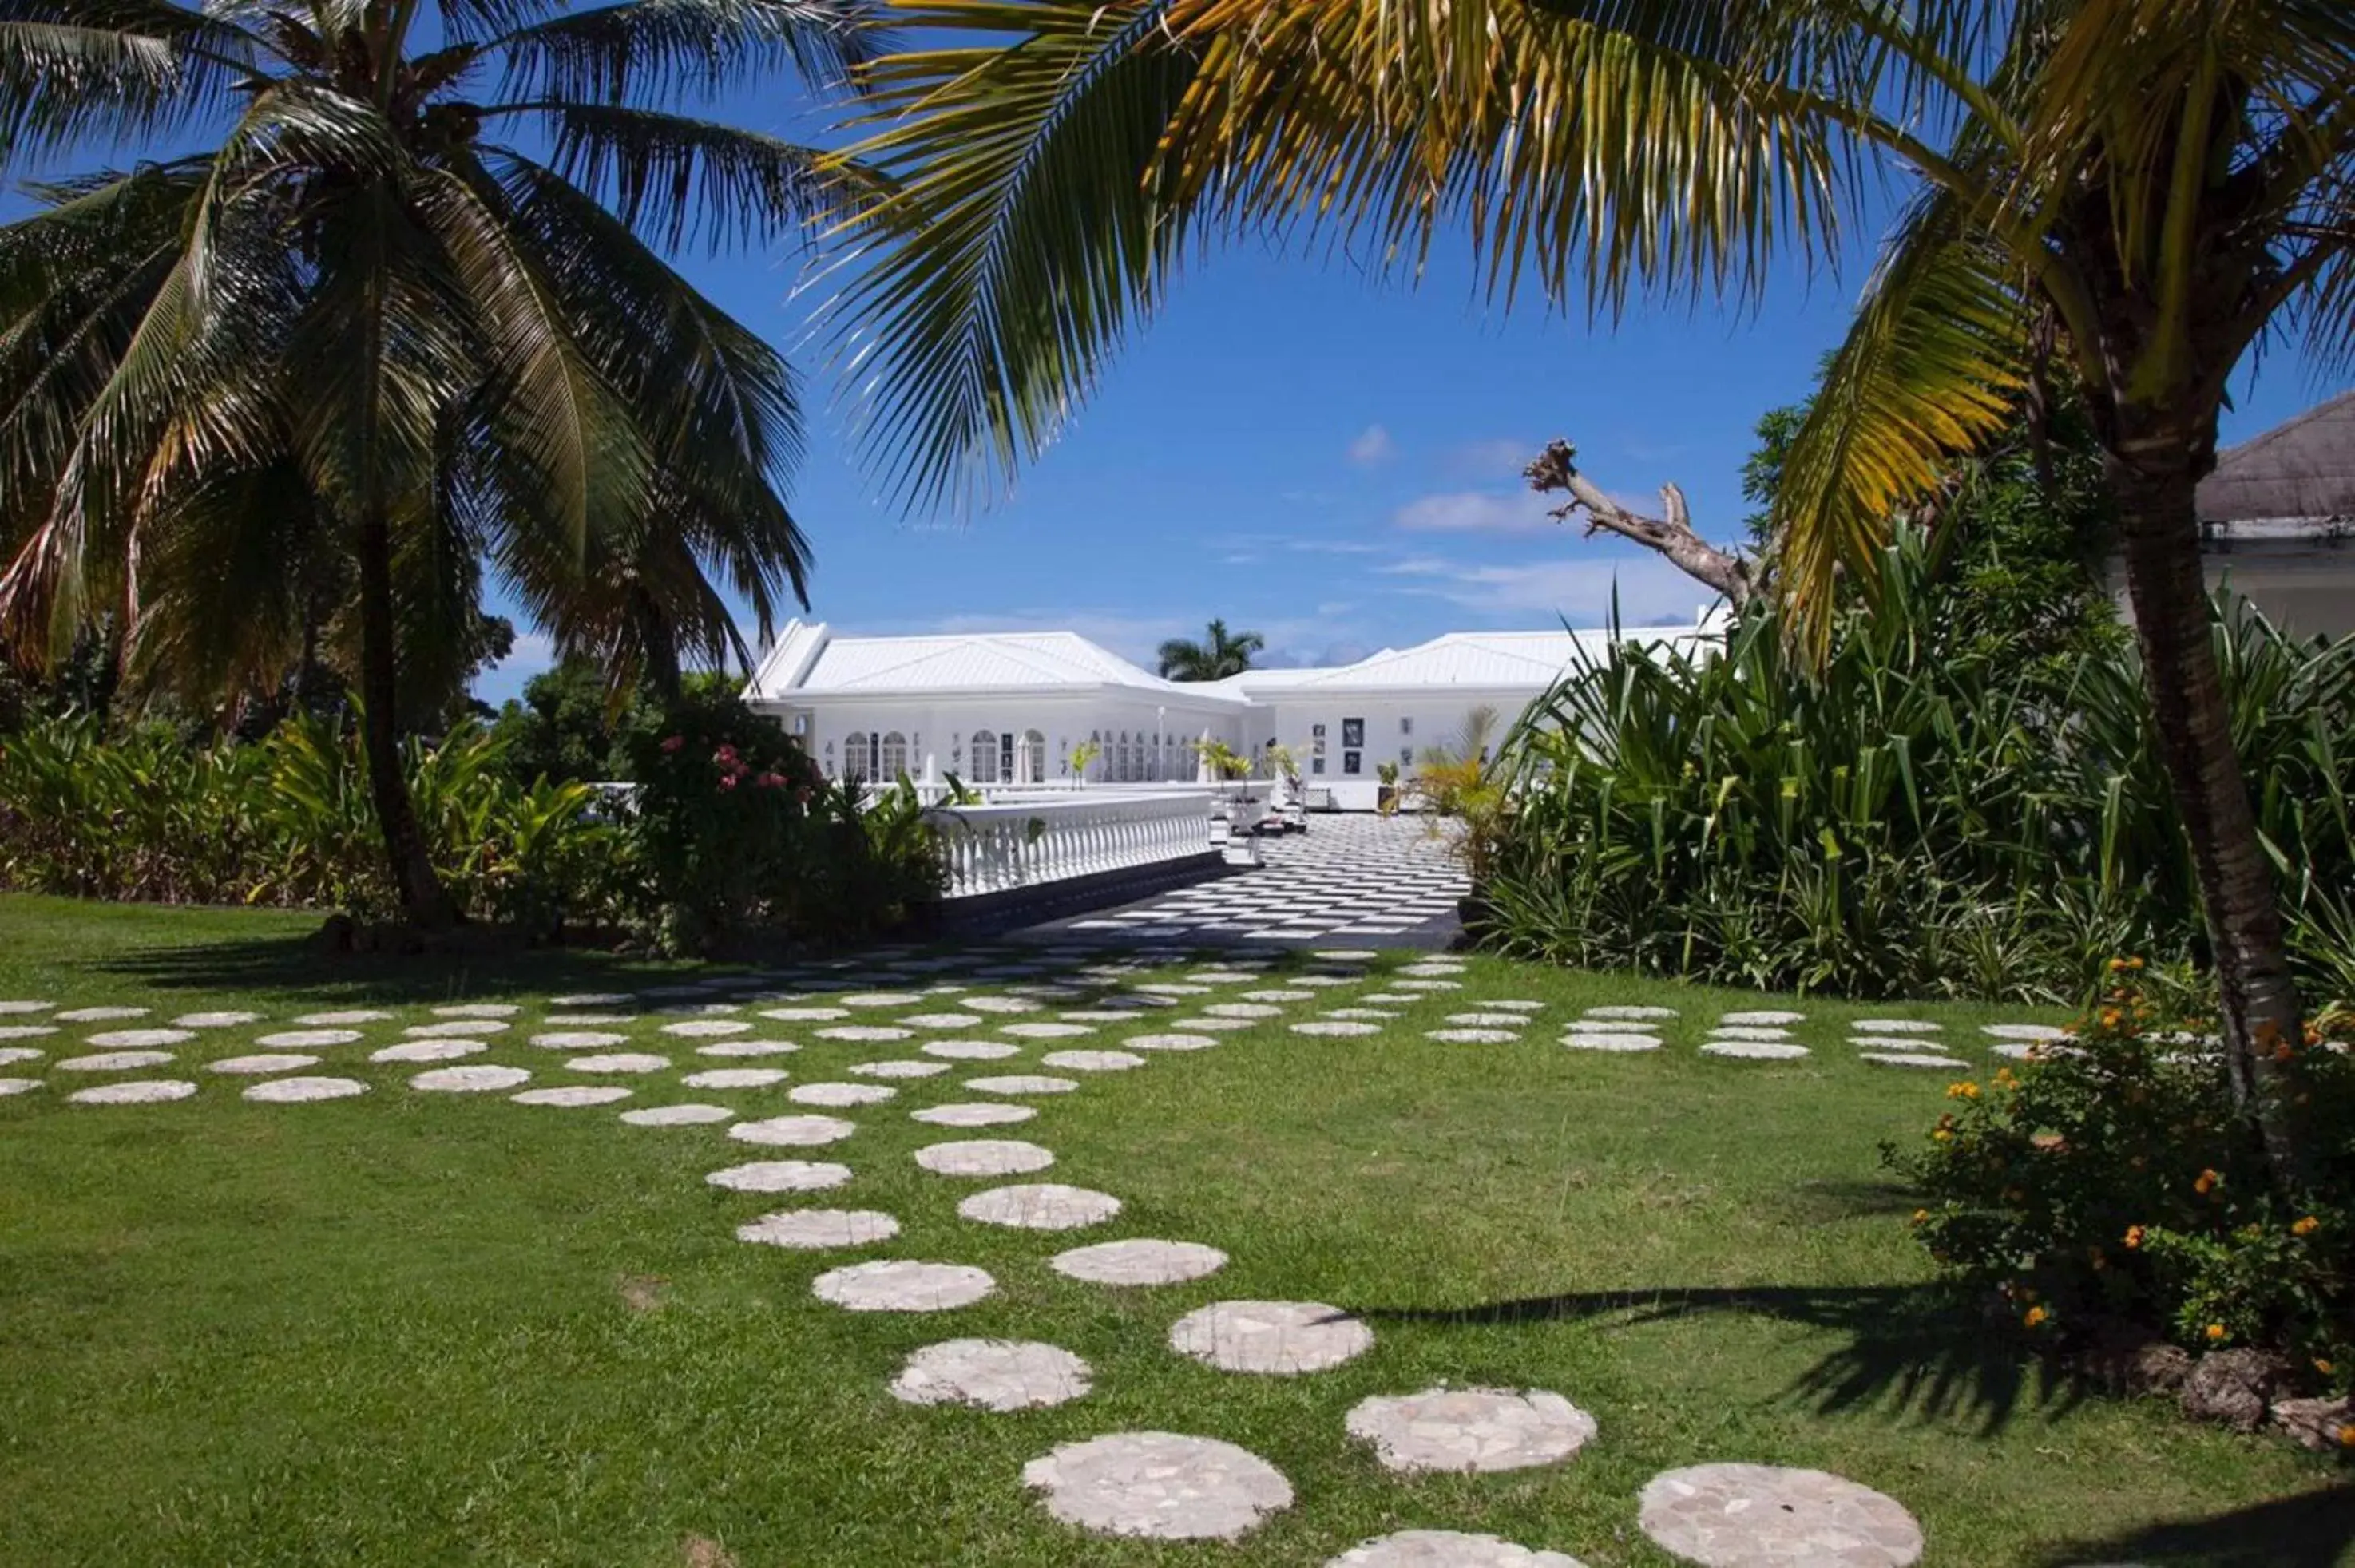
1330 461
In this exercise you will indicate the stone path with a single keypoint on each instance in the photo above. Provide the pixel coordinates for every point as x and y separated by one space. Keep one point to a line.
1099 1013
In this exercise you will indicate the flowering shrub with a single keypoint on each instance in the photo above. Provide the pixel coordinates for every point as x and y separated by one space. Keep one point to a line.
2108 1179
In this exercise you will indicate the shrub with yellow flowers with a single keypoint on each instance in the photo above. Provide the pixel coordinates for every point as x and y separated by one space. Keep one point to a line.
2107 1181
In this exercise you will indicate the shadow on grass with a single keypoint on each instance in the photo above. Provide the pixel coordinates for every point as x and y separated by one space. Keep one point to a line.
1913 1348
294 963
2310 1530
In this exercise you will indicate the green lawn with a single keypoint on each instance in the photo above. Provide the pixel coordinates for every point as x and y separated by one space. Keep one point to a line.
407 1329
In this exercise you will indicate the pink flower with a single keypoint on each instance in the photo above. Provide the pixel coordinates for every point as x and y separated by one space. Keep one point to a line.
726 753
772 781
728 780
673 742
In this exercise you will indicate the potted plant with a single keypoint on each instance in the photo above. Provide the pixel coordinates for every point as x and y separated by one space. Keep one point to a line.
1386 792
1083 756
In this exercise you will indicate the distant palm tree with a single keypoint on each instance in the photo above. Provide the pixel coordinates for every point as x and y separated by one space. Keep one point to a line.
408 311
1214 658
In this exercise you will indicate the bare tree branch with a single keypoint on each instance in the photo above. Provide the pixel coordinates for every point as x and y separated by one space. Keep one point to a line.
1556 472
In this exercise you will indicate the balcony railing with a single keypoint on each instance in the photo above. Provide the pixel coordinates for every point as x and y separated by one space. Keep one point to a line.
999 847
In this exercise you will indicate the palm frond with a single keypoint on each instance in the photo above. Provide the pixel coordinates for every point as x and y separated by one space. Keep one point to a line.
679 180
111 72
671 49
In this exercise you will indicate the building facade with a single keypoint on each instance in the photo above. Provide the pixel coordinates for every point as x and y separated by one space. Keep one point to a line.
1013 709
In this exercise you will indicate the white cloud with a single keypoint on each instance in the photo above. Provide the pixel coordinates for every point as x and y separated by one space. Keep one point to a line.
1650 590
1373 446
534 653
1475 512
1501 459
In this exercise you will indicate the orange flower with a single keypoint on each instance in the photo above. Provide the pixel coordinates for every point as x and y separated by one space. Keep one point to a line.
2208 1182
2306 1227
2110 1018
2134 1235
1921 1216
1942 1134
2117 966
2034 1316
2323 1366
2216 1331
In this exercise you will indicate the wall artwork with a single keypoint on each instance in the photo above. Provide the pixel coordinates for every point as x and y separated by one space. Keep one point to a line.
1350 761
1353 733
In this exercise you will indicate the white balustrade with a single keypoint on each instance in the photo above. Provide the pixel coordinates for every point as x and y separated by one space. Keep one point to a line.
1024 843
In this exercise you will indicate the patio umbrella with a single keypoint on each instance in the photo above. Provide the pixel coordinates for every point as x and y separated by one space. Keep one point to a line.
2302 468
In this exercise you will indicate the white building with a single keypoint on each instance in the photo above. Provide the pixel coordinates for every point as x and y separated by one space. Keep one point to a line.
1008 708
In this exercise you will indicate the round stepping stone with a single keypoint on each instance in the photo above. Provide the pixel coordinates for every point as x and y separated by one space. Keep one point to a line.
341 1018
25 1031
804 1014
2039 1034
1159 1485
618 1062
1489 1020
1377 1014
20 1054
777 1175
686 1114
879 998
973 1113
793 1130
1432 967
18 1086
577 1040
1895 1043
592 999
1429 985
138 1039
137 1092
1047 1031
903 1285
289 1091
1161 988
1761 1516
263 1062
587 1020
1467 1429
1392 998
472 1079
1169 1042
735 1078
308 1039
1279 995
1754 1050
815 1230
24 1004
840 1094
1748 1031
1000 1003
1625 1013
1894 1027
1219 1025
1023 1084
478 1010
1914 1059
941 1020
1517 1005
1611 1041
970 1050
1472 1036
574 1095
865 1032
1446 1549
1323 982
984 1157
459 1029
428 1051
1249 1010
1040 1206
992 1374
744 1048
1766 1016
896 1069
1092 1060
1140 1262
1279 1336
99 1015
114 1061
706 1028
1338 1027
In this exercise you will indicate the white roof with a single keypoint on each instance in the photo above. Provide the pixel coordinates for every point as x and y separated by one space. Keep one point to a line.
1482 661
809 661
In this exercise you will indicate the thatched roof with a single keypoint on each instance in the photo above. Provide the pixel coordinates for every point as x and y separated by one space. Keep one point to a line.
2302 468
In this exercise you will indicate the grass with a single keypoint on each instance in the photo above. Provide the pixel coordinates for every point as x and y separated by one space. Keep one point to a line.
410 1328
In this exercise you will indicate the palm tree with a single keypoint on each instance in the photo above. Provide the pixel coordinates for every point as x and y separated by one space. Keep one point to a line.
410 311
2122 194
1215 657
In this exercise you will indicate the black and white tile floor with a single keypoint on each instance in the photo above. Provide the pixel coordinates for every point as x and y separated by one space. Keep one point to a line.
1354 880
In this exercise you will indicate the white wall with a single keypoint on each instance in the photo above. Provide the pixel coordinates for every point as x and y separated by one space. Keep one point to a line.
939 734
1395 730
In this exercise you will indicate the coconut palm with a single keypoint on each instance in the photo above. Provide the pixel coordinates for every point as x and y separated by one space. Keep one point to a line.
407 309
2122 194
1217 656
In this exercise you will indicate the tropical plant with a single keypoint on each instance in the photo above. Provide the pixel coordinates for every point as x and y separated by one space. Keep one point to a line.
2124 196
1085 756
1224 761
1220 654
406 313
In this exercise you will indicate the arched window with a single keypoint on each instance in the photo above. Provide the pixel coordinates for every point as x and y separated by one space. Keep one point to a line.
985 756
1128 760
894 760
1033 758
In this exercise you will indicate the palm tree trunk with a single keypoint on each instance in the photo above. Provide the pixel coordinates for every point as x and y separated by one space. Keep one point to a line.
2154 472
424 902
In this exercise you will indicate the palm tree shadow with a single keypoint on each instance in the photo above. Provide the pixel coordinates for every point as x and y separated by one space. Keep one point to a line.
1914 1349
294 964
2308 1530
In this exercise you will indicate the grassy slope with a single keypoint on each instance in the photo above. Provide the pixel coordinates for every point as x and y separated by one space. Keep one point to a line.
390 1330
